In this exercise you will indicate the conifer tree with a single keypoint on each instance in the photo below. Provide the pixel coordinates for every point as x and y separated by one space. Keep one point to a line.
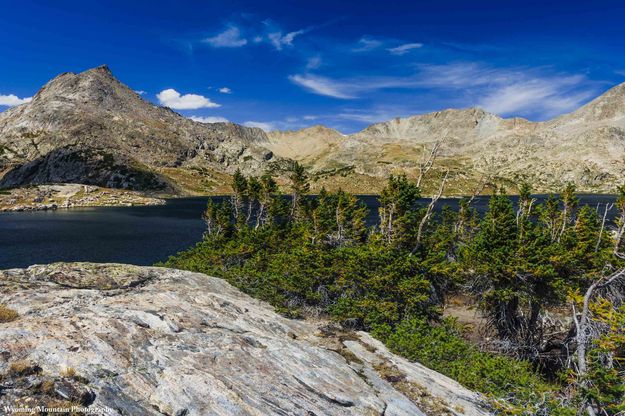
569 202
584 240
218 218
322 216
254 189
239 198
525 202
492 255
210 218
338 219
299 188
268 201
350 217
550 216
399 209
466 221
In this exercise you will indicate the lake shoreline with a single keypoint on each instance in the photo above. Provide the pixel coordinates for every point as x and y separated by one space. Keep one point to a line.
142 234
52 197
66 196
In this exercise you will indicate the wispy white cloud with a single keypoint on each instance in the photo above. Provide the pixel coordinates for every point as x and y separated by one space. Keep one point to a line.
313 62
323 86
364 117
512 91
404 49
366 43
551 96
229 38
173 99
463 75
371 115
225 90
13 100
209 119
265 125
347 88
279 41
530 92
310 117
140 92
239 35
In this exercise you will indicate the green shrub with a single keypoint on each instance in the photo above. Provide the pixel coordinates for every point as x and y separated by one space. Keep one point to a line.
441 348
365 284
306 255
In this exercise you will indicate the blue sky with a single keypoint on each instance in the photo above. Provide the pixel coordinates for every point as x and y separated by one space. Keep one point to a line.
292 64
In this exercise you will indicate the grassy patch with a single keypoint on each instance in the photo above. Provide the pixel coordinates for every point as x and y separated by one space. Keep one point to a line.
442 349
23 368
7 314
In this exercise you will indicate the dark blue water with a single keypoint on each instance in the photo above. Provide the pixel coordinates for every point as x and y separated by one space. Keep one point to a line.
136 235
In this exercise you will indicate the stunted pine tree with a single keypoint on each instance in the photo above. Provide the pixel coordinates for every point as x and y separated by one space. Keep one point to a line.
466 221
218 218
322 216
351 215
570 203
300 186
239 198
491 259
253 192
550 217
585 235
269 201
526 203
339 219
399 211
599 345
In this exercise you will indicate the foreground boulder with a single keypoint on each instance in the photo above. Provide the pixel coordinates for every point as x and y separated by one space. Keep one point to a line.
154 341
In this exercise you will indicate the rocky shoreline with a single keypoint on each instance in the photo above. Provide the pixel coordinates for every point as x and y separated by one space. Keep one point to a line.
55 196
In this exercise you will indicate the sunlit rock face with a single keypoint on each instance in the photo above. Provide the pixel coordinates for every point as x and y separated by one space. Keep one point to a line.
586 147
154 341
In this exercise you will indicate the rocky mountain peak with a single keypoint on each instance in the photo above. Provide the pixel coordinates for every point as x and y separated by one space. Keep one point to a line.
611 104
585 147
90 128
103 69
436 124
608 109
93 87
320 128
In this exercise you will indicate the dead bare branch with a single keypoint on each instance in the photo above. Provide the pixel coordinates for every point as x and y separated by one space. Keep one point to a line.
608 207
484 179
429 211
426 163
586 329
